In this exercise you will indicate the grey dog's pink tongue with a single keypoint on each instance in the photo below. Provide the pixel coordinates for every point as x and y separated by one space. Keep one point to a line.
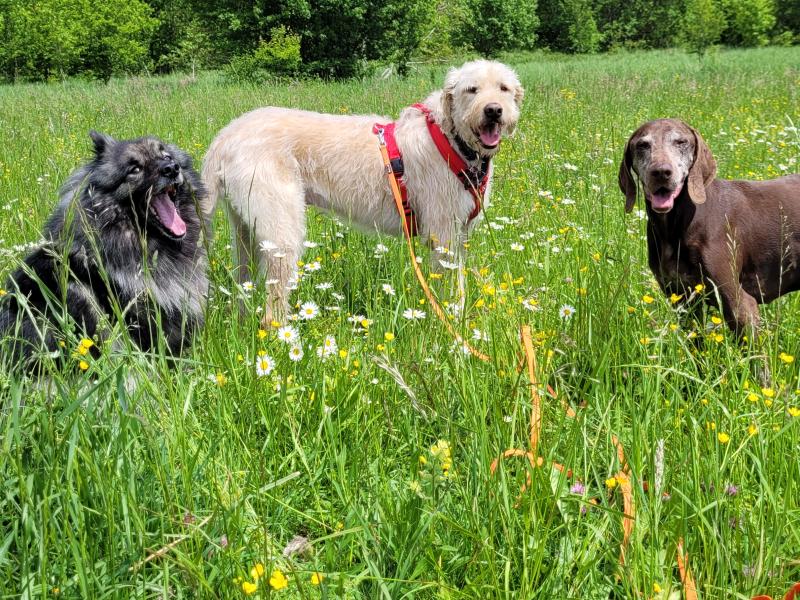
168 214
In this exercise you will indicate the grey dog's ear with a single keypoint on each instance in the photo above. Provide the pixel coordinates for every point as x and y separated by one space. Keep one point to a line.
703 169
627 183
101 142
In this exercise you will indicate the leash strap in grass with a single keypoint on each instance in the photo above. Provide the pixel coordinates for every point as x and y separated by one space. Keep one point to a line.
689 587
622 476
398 201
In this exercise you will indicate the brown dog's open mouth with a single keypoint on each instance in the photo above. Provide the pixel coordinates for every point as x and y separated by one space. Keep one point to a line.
489 134
663 199
163 207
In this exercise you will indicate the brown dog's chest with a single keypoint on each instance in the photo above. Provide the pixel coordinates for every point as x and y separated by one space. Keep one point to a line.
675 264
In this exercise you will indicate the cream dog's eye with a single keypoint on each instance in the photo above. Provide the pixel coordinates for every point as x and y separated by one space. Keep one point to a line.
503 87
472 90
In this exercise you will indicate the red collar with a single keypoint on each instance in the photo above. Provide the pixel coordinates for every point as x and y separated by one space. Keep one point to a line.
475 180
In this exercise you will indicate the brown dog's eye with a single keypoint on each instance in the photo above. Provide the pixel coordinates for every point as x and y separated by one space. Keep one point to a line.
681 142
642 145
472 90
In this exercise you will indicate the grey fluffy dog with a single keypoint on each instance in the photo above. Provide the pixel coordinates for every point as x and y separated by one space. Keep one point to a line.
122 244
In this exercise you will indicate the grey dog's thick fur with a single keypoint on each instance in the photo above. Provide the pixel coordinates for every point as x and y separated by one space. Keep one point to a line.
107 254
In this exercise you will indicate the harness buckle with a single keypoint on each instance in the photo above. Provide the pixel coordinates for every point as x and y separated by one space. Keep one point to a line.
381 139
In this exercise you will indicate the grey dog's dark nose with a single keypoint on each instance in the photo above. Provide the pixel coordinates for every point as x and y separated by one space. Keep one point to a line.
169 168
661 172
493 111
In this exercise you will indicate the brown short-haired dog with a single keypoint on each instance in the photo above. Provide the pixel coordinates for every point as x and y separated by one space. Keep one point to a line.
740 237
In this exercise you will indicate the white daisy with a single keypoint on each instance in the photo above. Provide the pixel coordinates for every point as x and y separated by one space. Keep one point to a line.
566 312
310 244
267 246
264 365
388 289
313 266
380 250
325 285
413 314
296 353
248 286
308 311
479 335
448 265
328 347
517 247
288 334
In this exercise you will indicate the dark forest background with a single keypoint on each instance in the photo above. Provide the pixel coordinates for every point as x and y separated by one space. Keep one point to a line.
249 40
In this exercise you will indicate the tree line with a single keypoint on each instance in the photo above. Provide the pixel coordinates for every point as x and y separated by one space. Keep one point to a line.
251 39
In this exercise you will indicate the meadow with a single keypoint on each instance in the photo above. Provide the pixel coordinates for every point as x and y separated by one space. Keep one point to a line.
141 479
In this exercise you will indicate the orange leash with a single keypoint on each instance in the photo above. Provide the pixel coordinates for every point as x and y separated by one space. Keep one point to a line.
417 270
689 587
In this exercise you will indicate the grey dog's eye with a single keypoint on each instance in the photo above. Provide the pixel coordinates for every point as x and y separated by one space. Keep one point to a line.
167 156
134 170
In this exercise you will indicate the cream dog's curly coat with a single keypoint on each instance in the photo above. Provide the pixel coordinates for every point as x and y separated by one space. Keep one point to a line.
272 162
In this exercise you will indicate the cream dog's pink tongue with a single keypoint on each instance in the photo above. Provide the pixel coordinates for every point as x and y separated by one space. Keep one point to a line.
490 136
168 214
664 201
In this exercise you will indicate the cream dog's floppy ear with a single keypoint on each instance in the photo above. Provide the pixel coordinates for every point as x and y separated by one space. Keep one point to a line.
448 90
703 169
627 183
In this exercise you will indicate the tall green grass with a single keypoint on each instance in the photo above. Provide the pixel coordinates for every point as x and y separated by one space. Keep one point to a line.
100 470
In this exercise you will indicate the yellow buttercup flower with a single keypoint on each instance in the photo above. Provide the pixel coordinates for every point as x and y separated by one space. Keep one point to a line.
787 358
277 580
752 429
794 411
611 483
83 365
388 336
257 571
768 392
647 299
316 578
675 298
723 437
248 587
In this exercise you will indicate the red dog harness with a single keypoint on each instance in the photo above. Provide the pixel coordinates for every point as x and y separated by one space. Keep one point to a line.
474 179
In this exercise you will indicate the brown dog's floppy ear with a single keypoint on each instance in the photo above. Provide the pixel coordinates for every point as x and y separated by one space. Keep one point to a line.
627 183
703 169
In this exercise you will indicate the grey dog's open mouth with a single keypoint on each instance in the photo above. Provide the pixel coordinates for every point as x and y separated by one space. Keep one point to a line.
162 205
489 134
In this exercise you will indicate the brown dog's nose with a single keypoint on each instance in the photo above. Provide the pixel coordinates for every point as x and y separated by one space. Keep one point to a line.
661 172
493 111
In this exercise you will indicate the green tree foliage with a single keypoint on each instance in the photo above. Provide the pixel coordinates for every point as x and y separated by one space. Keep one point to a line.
750 22
495 26
568 26
45 39
337 37
639 23
279 56
704 23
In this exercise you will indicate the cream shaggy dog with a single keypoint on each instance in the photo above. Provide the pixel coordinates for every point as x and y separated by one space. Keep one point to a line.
272 162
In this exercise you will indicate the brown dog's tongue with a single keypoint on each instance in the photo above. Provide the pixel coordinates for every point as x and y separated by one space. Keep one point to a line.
168 214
